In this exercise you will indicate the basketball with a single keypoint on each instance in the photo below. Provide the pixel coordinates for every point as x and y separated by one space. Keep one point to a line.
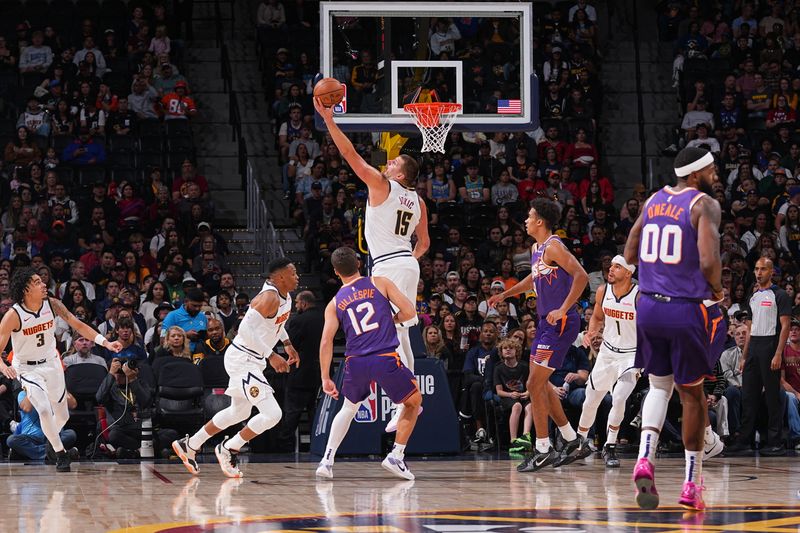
329 91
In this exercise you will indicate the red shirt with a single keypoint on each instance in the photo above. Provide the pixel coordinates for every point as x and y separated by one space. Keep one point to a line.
791 366
198 179
176 106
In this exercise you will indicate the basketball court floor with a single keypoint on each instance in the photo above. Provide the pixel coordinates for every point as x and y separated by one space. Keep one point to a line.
449 495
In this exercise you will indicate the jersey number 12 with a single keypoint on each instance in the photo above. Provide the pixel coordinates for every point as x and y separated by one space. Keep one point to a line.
363 325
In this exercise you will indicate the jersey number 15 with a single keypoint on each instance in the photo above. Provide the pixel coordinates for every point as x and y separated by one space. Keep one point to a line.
403 222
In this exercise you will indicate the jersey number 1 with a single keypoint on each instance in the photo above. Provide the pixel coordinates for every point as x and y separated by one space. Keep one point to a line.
363 325
403 222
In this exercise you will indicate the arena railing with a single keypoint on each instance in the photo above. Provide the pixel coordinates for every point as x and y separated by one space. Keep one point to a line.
259 223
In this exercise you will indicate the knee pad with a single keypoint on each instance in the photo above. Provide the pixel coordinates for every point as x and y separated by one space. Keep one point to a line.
265 420
662 383
231 415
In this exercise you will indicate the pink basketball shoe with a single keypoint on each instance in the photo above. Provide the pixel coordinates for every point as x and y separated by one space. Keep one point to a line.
645 480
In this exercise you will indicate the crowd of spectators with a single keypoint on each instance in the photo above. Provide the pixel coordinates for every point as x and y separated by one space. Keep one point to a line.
101 195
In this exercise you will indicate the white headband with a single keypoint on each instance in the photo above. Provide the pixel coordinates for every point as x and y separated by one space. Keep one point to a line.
624 264
700 164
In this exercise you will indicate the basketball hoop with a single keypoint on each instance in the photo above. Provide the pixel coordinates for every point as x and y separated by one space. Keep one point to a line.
434 120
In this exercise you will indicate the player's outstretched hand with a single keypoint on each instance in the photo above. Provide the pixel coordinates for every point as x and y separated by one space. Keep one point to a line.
294 357
329 388
554 316
325 112
115 346
494 300
278 363
9 372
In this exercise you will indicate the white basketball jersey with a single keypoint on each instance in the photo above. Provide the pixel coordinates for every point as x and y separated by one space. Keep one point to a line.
35 340
388 227
619 334
259 334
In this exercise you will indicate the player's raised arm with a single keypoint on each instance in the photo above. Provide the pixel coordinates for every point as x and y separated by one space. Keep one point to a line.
84 329
421 231
562 257
9 323
631 252
366 172
326 349
708 243
390 290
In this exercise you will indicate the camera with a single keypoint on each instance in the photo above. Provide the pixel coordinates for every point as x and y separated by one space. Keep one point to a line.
133 364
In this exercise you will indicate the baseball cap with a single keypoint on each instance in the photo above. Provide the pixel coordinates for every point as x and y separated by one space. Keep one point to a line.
58 224
795 322
472 296
452 274
282 51
556 49
497 284
204 225
316 185
618 259
190 281
182 84
109 30
55 83
119 266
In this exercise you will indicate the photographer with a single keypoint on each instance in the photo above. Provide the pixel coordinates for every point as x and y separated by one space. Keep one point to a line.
124 397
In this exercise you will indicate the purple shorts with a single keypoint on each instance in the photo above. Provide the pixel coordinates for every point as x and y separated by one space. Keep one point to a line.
551 343
676 338
392 376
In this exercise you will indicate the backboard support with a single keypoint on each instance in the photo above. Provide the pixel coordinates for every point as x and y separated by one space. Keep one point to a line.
400 38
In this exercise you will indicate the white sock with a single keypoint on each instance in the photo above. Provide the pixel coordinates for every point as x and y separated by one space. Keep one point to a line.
584 434
611 436
648 444
404 349
542 445
197 440
567 432
399 451
339 426
235 444
709 436
694 466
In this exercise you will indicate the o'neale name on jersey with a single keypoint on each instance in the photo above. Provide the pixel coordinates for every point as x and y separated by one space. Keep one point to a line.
283 318
619 315
665 210
406 202
38 328
363 294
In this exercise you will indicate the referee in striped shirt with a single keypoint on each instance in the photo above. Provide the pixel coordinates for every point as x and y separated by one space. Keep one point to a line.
766 335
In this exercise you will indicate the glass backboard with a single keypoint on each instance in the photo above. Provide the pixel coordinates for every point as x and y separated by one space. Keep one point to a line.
388 54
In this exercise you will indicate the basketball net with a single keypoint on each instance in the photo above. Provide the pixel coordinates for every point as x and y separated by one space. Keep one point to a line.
434 120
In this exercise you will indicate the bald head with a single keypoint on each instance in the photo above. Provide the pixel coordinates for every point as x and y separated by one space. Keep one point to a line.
763 271
305 300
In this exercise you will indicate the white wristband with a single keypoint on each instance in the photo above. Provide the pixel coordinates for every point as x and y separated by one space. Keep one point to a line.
100 340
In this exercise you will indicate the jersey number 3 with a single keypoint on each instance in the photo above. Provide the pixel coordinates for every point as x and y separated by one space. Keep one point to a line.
661 244
362 325
403 222
39 339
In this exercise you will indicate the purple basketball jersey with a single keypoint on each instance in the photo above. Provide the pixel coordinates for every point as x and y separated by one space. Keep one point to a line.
552 283
367 318
669 262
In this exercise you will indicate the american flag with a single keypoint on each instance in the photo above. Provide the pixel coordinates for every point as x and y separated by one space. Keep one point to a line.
509 107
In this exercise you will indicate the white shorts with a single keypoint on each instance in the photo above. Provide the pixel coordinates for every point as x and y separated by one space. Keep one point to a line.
43 383
246 376
609 367
403 272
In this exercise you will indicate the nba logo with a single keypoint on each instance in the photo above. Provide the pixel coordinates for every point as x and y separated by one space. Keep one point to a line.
368 409
341 107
